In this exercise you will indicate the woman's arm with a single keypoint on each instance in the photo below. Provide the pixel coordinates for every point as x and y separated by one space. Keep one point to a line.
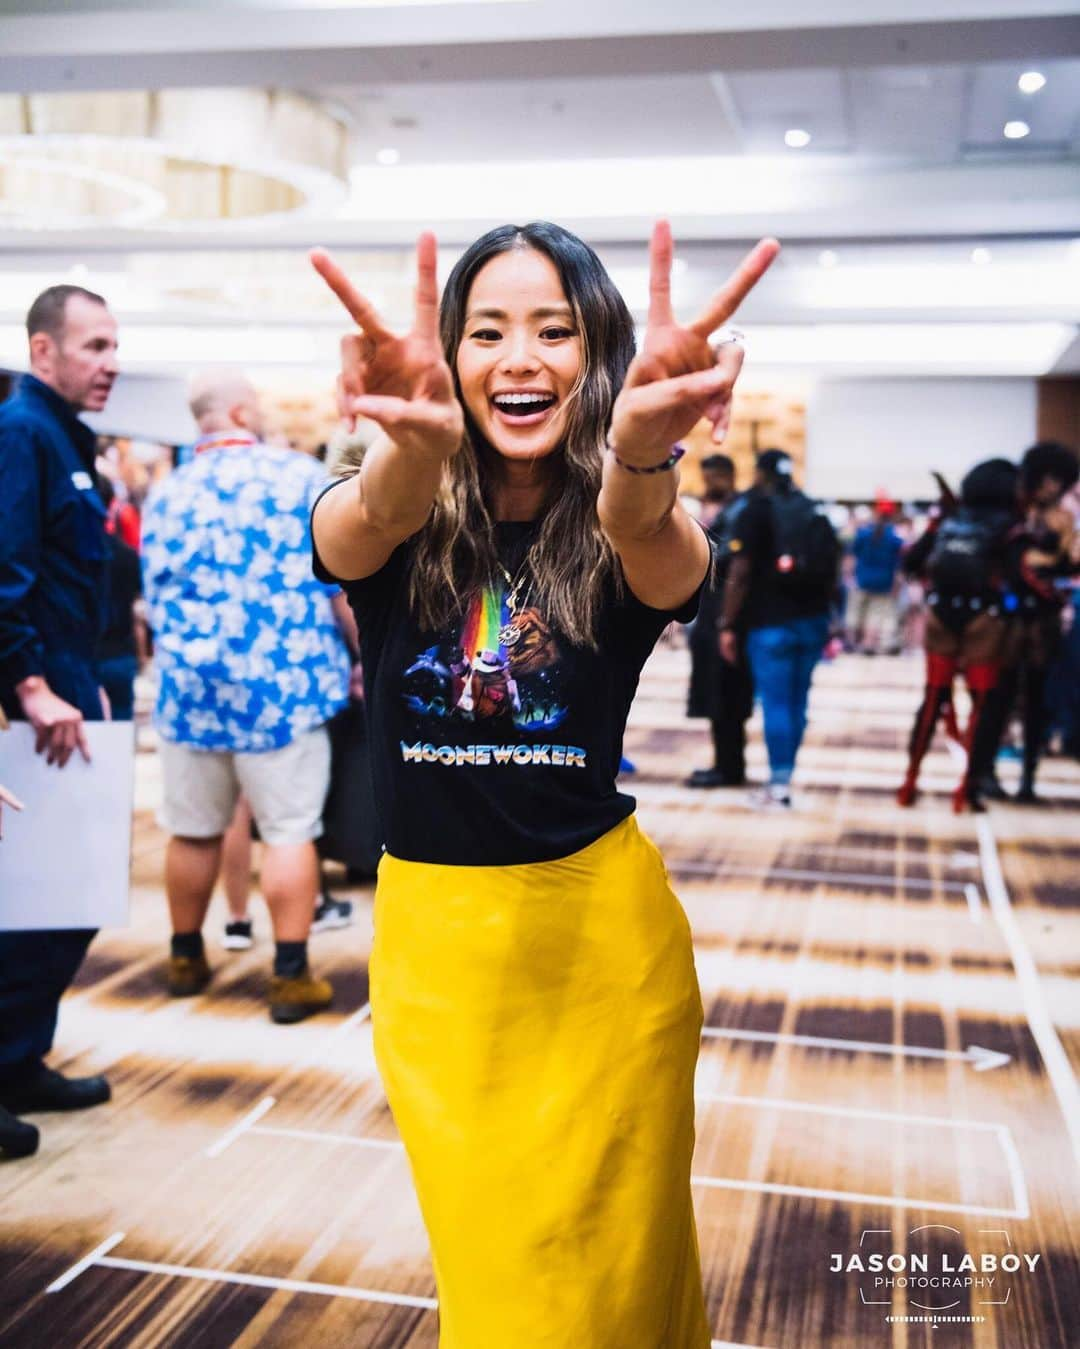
405 385
358 525
677 379
664 552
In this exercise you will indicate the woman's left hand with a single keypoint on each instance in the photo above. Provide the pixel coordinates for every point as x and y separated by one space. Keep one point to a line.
678 377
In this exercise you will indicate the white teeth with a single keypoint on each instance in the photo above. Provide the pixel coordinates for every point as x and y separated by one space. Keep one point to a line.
516 399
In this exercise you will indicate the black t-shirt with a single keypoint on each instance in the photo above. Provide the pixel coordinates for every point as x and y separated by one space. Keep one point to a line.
769 603
489 752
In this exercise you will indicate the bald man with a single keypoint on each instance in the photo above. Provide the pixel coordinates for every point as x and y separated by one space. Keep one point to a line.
252 664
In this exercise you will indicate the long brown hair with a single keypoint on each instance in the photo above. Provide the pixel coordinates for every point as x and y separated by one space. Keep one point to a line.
570 561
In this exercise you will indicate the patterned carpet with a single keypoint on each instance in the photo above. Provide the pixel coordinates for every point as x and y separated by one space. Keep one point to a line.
892 1028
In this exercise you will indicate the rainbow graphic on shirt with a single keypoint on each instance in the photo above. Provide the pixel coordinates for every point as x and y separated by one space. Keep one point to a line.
487 615
472 676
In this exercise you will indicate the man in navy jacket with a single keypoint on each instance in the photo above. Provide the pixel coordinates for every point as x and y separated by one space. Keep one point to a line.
52 611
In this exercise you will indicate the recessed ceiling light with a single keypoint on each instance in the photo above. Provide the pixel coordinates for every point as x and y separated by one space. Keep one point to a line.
1015 131
980 256
80 272
796 138
827 258
1030 82
387 156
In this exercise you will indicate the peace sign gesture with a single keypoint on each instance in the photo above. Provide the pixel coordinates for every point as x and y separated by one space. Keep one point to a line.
402 383
678 377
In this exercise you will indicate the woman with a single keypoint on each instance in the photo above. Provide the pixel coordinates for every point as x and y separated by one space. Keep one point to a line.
1038 556
536 1011
963 556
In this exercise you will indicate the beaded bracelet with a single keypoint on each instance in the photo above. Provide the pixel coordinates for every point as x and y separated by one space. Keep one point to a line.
677 452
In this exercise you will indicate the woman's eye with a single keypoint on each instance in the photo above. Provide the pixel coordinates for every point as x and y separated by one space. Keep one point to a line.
556 334
486 335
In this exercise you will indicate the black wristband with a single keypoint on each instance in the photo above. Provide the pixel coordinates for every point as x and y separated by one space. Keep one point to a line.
677 452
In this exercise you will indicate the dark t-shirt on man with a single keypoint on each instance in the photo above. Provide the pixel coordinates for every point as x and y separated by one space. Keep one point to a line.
772 601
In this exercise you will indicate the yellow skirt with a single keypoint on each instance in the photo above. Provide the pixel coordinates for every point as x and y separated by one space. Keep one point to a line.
536 1028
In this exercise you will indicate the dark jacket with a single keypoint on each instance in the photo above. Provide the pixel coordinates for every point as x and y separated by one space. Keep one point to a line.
53 584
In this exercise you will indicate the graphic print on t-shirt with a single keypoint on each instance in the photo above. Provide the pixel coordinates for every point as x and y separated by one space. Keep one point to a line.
497 667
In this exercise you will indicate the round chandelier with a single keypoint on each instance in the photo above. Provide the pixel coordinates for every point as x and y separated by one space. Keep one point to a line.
172 159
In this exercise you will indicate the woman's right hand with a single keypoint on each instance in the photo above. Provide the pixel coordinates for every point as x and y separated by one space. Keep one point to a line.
402 383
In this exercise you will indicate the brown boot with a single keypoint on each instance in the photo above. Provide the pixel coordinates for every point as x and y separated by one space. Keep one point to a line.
188 975
296 996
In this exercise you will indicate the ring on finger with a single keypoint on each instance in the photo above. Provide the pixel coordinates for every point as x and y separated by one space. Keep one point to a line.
726 337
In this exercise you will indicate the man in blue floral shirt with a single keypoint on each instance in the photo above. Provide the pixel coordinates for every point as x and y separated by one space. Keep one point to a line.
253 663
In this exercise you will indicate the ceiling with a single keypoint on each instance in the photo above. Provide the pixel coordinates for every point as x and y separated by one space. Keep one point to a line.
908 207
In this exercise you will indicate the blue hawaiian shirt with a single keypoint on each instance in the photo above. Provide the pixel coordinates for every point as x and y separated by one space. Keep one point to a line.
247 648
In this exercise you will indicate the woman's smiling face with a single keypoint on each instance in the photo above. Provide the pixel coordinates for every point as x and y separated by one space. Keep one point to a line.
520 354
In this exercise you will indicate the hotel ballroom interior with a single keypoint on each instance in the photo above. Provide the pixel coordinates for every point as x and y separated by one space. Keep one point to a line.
886 1112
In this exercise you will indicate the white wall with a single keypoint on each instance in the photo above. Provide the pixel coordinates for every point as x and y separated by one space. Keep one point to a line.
149 407
146 407
869 434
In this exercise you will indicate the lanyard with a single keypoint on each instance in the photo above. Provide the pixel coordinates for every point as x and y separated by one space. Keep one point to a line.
223 443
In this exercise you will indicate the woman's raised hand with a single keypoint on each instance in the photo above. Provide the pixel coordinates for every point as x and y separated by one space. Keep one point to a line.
678 377
402 383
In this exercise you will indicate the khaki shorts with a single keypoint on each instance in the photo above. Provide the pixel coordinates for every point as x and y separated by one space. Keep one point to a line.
285 787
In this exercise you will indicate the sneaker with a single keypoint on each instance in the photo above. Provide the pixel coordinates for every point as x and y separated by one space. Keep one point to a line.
188 975
775 796
294 997
238 935
331 913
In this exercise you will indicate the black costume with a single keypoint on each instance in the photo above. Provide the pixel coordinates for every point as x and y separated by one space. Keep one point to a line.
962 555
1032 602
721 691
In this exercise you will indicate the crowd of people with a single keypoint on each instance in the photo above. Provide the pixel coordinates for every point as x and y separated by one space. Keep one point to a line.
253 660
983 582
489 581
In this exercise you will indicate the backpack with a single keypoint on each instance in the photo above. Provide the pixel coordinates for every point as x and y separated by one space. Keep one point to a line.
962 558
806 552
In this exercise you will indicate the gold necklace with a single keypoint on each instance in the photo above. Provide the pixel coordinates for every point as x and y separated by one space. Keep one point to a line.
510 633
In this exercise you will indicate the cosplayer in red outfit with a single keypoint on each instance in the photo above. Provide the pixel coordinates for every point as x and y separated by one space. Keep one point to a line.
962 557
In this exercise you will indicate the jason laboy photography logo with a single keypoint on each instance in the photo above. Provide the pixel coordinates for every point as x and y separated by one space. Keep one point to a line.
942 1276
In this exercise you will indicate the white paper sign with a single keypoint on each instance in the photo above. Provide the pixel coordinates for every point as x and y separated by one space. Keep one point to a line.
65 858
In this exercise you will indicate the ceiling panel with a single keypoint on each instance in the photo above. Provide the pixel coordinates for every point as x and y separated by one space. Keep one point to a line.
771 102
1053 113
536 119
909 110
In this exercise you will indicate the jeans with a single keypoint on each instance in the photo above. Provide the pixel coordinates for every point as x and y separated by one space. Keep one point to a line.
35 970
782 659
